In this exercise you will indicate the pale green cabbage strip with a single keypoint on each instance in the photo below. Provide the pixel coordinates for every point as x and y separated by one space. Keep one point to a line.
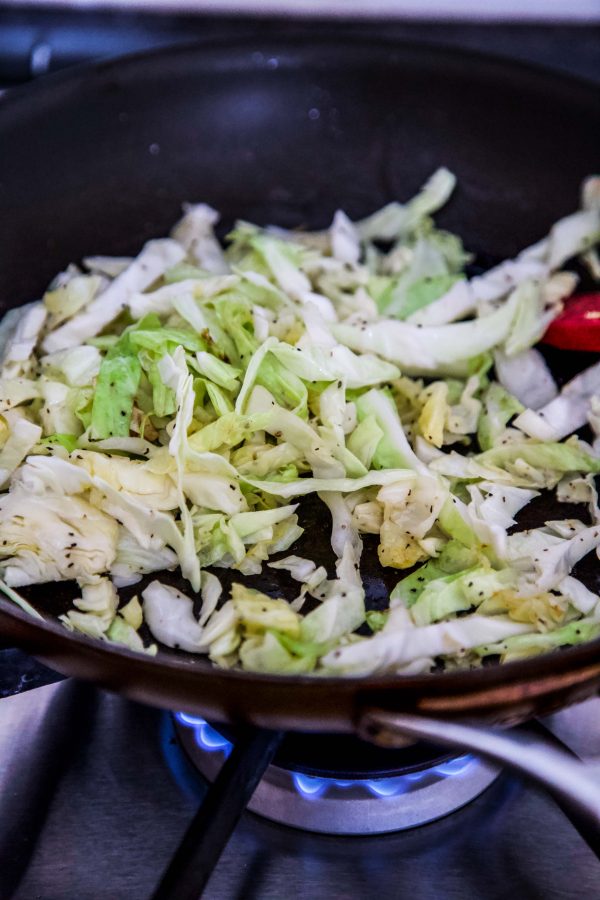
171 411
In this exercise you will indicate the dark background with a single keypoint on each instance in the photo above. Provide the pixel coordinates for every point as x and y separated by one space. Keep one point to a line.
35 40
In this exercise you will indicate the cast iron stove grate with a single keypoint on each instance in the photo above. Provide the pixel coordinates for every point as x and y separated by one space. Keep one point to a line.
333 784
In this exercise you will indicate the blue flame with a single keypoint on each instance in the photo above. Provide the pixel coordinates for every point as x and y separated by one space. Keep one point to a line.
206 736
311 786
453 766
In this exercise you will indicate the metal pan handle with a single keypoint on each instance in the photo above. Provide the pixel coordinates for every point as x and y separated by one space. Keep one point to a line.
566 777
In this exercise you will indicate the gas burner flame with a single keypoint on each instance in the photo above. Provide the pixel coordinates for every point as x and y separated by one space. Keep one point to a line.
313 787
206 736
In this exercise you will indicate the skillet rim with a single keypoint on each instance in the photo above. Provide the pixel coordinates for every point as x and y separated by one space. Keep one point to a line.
568 659
53 80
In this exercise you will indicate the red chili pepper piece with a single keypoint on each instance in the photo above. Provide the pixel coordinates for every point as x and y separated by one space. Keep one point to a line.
578 326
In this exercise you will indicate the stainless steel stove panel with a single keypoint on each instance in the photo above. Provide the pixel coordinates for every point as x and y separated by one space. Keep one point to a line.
95 796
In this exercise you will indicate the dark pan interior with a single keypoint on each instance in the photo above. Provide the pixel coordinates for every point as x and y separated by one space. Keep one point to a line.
99 160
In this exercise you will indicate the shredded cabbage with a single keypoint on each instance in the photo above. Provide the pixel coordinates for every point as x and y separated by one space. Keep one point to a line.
171 411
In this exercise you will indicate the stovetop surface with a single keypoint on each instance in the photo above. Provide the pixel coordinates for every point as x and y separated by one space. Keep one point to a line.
96 794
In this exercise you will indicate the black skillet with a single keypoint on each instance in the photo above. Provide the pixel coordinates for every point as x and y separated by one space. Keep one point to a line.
99 159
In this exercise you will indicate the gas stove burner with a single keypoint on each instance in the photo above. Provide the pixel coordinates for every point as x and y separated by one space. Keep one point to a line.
420 791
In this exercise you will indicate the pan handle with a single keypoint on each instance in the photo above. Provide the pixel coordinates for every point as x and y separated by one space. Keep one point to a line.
564 775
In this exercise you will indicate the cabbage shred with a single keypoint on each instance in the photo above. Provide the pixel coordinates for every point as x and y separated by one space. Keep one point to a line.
171 411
